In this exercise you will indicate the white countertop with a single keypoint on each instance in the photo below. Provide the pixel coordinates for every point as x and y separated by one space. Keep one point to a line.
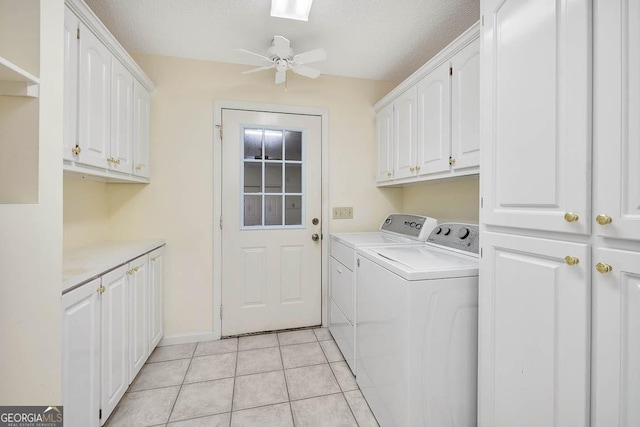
82 264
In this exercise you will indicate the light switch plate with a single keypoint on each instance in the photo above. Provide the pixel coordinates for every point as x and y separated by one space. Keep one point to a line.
343 212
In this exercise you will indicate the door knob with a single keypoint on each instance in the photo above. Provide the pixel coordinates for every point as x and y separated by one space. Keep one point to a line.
315 237
603 268
571 217
603 219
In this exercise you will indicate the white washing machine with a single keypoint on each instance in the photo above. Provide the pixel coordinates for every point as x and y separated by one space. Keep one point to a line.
396 229
417 329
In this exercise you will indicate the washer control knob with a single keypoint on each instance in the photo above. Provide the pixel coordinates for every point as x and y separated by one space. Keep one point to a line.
418 226
446 231
463 233
412 225
406 223
387 221
437 230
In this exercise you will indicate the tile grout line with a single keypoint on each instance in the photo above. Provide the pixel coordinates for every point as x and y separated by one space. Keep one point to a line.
182 384
340 386
235 374
286 385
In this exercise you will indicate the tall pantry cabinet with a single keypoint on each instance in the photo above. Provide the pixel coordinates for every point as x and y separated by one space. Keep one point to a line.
560 213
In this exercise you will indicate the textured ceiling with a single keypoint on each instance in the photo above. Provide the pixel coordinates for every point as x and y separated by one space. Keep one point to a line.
372 39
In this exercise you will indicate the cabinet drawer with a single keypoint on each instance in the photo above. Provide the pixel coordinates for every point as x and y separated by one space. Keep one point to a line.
343 289
343 254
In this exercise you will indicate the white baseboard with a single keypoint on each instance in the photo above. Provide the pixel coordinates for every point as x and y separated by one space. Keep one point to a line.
186 338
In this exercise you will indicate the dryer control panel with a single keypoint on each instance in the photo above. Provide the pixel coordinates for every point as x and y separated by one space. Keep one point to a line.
464 237
414 226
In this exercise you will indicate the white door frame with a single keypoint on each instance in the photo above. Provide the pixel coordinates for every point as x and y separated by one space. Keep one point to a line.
218 106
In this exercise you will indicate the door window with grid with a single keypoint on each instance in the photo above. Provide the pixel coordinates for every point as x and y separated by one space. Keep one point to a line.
272 177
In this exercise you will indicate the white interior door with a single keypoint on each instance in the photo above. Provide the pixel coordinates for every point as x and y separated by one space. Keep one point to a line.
271 205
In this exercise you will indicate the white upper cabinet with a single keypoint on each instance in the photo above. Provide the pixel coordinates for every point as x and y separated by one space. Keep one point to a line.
536 93
106 103
71 25
384 130
617 123
435 126
141 110
434 138
405 133
534 328
465 107
94 88
616 339
121 147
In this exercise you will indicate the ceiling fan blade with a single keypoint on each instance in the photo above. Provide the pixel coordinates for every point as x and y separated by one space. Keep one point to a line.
281 76
255 55
255 70
306 71
310 56
281 47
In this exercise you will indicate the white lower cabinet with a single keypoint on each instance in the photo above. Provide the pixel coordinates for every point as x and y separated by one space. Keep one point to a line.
115 340
110 326
534 313
138 313
616 338
156 301
81 355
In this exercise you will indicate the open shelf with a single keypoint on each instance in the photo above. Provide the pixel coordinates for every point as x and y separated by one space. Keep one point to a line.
14 81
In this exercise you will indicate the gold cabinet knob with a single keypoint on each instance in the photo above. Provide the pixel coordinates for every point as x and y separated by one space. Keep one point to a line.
116 161
603 268
130 272
571 260
571 217
139 167
110 159
417 168
451 160
76 150
389 174
153 259
101 289
412 168
604 219
135 269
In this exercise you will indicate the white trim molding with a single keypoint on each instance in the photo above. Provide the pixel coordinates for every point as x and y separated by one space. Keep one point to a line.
218 106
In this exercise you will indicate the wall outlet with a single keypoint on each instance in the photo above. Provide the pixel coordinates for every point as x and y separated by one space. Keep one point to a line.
343 213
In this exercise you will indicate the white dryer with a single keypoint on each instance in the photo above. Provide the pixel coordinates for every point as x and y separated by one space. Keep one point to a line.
396 229
417 329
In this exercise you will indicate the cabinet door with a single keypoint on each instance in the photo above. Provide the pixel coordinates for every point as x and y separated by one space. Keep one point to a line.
138 314
121 147
536 140
616 340
71 25
465 107
156 260
94 100
617 128
141 111
434 138
405 133
534 333
384 128
115 340
81 355
343 289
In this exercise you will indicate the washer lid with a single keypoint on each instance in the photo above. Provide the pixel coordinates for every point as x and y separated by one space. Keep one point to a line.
370 238
423 262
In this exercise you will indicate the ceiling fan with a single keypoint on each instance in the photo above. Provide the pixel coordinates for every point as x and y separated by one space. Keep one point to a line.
281 58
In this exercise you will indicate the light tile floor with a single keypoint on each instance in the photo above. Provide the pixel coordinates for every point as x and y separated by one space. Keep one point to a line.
296 378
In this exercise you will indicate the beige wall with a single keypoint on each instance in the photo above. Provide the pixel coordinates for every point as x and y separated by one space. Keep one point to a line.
456 200
31 240
85 213
178 204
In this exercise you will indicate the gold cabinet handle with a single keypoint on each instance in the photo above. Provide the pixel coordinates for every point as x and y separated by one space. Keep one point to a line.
571 217
604 219
76 150
571 260
603 268
451 160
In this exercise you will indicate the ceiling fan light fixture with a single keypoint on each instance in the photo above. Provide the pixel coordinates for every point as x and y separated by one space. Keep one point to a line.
291 9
